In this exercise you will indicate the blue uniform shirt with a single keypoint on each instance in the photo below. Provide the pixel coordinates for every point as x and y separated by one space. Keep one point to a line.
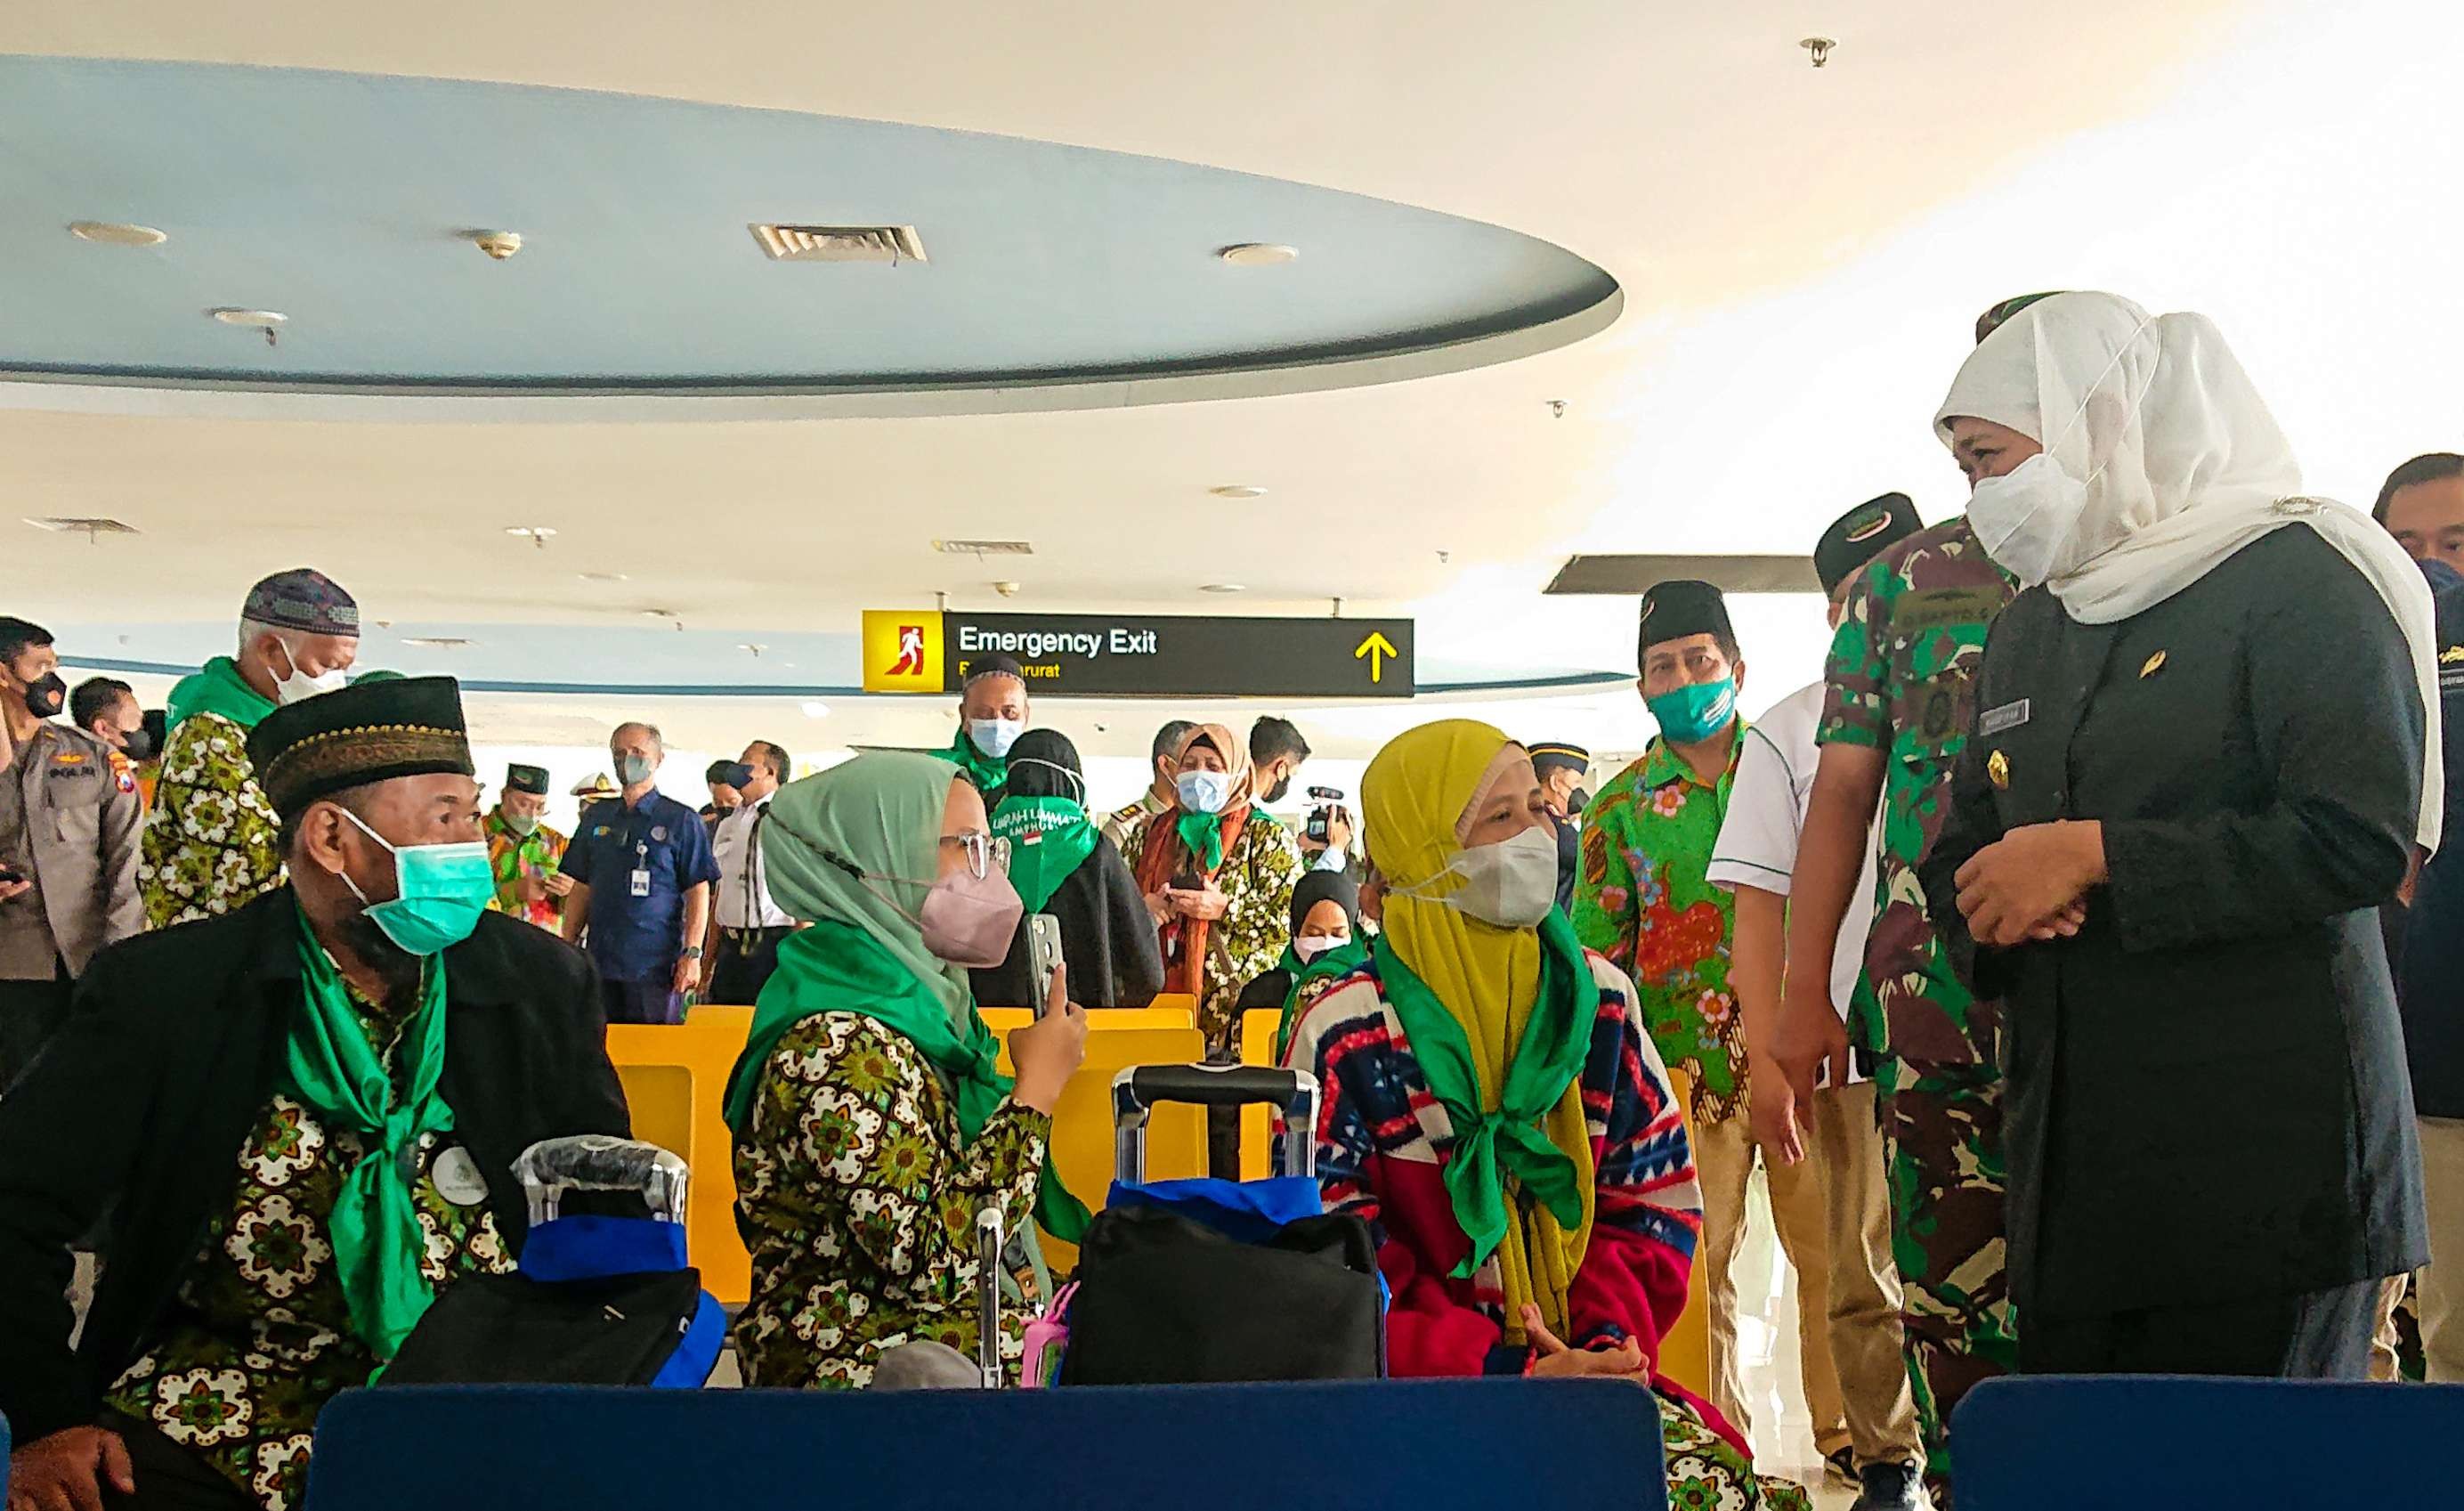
639 938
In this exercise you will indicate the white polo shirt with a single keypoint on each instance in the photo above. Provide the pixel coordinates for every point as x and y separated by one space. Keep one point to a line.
743 893
1757 843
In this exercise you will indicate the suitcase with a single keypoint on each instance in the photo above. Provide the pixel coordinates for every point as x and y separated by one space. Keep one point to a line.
596 1301
1211 1280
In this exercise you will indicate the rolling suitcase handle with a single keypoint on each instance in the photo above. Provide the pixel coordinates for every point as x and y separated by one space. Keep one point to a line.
600 1162
1138 1091
988 1275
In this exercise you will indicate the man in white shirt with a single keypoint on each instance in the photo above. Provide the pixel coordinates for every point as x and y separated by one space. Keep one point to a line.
746 924
1829 1197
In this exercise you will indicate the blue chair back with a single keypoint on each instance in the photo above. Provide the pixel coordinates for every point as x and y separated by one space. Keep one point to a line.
1411 1445
2039 1443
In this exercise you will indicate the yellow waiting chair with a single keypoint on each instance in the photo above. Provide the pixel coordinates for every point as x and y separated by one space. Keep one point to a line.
675 1082
1685 1349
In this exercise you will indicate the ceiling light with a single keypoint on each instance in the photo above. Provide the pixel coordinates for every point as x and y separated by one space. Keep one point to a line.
1239 490
891 244
751 650
436 642
815 710
497 244
535 534
1223 587
81 524
261 319
603 577
117 232
658 614
983 547
1259 254
1820 47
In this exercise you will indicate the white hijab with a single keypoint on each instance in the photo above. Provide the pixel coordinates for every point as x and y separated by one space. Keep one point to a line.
2183 466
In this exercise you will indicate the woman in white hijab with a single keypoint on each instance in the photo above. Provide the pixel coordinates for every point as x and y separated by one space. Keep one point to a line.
2201 762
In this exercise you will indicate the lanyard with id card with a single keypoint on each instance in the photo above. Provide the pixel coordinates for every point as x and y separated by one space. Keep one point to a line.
641 868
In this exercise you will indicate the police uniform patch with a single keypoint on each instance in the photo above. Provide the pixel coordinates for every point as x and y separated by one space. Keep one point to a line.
1868 522
69 757
1997 770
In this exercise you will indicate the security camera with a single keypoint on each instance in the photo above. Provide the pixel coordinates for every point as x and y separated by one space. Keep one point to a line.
1006 590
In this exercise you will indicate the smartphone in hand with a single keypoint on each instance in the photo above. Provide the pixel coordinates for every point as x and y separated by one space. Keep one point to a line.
1044 955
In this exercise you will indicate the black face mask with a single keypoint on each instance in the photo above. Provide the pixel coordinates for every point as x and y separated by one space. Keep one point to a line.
1275 793
45 698
1575 800
139 745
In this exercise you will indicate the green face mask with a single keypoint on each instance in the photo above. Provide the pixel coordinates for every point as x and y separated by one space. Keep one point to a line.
439 893
523 824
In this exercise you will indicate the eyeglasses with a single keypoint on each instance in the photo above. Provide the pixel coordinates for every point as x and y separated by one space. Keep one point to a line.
984 852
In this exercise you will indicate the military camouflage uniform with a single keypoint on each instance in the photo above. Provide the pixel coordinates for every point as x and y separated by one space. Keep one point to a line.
1902 680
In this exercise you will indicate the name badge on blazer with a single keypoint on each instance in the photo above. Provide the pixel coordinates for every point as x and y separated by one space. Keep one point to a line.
1996 720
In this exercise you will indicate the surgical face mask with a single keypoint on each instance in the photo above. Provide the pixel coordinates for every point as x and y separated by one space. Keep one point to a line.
1310 946
633 770
1511 884
969 919
2025 519
1694 713
1203 791
296 685
995 736
44 699
524 824
439 893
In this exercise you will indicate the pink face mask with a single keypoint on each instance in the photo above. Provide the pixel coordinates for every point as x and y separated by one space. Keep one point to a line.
970 919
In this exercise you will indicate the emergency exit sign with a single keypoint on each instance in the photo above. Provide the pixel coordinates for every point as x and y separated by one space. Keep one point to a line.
1116 656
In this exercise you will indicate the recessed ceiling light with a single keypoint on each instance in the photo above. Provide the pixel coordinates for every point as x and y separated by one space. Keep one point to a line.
1223 587
117 232
983 547
539 533
436 642
1239 490
1259 254
658 614
816 710
81 524
261 319
603 577
751 650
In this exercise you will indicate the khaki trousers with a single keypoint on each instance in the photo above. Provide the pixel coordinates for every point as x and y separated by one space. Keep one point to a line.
1832 1212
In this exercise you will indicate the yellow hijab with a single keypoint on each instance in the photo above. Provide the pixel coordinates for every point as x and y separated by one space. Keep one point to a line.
1417 796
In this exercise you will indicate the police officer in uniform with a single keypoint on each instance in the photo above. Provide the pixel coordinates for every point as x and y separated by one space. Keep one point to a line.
1561 767
642 871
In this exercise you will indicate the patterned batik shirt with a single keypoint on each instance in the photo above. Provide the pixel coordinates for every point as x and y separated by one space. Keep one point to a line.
260 1337
1642 899
513 856
1260 870
1901 679
859 1206
212 842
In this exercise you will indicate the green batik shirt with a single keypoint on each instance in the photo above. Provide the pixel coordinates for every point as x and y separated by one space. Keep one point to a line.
258 1337
212 842
518 857
1902 679
1642 901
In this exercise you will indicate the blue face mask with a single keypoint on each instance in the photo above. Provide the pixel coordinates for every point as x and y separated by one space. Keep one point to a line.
633 769
439 893
1695 713
1203 791
995 736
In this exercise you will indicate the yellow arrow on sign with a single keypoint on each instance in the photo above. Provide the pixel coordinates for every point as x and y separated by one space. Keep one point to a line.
1377 647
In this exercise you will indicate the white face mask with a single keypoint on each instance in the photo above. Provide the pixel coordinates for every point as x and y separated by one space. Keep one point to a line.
1203 791
298 686
2025 519
1511 884
1310 946
995 736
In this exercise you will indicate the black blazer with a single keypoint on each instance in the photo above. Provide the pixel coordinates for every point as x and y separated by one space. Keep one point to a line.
142 1102
2206 1097
1107 939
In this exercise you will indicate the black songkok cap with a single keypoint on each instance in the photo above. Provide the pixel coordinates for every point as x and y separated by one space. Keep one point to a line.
366 732
530 779
1673 610
1861 534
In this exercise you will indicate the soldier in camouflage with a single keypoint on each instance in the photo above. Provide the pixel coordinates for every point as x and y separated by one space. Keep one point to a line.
1895 717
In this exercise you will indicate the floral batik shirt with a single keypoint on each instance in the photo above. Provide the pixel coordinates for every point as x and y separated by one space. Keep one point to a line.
260 1337
515 856
1642 901
1260 870
859 1205
212 842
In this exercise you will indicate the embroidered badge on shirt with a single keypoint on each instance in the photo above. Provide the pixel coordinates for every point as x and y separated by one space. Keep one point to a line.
2010 716
2153 665
69 757
1997 769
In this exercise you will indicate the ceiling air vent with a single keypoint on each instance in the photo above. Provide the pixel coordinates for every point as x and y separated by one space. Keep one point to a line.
840 243
1624 576
76 525
983 547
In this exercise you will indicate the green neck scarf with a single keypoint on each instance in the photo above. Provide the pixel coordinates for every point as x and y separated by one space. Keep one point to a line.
217 688
1490 1147
1340 961
338 1076
833 966
990 775
1202 835
1049 837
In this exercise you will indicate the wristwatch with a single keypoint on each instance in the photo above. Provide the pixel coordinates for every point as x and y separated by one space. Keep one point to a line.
692 952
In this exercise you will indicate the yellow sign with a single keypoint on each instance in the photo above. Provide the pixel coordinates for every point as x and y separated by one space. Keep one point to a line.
902 651
1377 647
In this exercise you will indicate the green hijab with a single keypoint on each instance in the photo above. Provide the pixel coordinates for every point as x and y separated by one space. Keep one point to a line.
216 688
881 814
